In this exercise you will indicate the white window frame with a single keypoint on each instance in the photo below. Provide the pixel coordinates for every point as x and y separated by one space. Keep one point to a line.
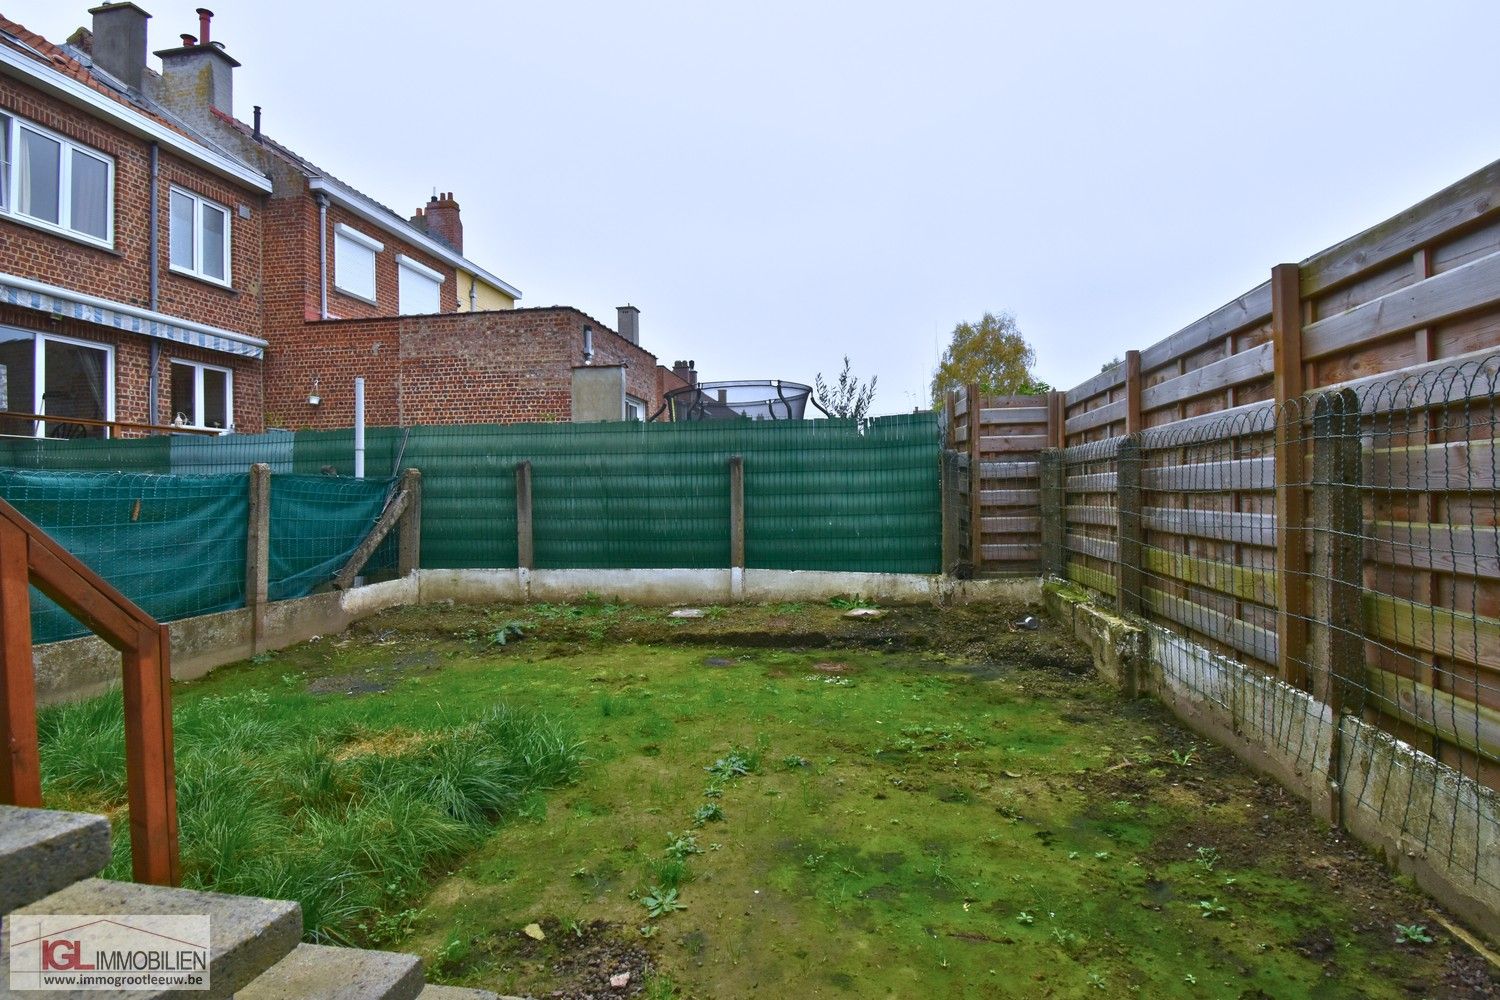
416 267
13 125
640 408
369 243
196 271
199 367
39 376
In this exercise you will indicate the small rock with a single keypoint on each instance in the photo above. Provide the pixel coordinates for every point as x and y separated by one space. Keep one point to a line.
621 981
534 931
1028 624
864 613
686 613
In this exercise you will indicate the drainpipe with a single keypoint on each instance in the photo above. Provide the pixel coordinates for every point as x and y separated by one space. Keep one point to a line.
153 238
473 294
359 428
322 200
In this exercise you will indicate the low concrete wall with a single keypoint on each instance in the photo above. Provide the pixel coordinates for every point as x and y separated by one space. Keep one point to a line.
1392 797
79 668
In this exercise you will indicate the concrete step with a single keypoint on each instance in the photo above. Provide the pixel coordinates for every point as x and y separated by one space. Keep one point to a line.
460 993
313 970
247 935
43 850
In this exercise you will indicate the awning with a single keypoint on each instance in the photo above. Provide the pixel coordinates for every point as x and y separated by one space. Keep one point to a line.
55 301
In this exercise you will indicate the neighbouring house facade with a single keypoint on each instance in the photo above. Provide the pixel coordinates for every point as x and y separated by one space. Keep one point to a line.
260 285
130 255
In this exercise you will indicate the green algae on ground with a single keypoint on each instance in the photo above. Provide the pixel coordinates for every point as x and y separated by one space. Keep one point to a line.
943 819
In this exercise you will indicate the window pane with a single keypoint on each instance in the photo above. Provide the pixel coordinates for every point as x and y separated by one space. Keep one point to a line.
17 380
353 267
41 159
419 294
75 387
180 234
184 410
214 223
215 398
4 161
90 195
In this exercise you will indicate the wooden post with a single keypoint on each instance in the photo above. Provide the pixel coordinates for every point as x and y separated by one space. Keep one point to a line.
1128 526
20 766
1054 514
525 553
257 553
1133 392
1057 419
1291 500
976 482
409 542
736 527
149 768
1336 638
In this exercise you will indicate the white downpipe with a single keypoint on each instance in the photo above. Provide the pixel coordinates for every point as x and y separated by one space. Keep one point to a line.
359 428
322 256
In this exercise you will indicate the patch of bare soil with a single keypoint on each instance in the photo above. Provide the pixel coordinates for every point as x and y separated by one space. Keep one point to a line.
575 961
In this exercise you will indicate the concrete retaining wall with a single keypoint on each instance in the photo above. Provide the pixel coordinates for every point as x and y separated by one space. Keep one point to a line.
1393 797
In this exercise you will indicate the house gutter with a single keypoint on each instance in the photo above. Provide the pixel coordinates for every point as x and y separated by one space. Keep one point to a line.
383 219
322 200
154 299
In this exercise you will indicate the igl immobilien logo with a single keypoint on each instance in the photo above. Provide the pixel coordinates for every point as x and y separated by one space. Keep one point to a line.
122 952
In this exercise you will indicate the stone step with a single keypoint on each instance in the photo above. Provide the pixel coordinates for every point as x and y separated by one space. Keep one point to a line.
328 973
43 850
246 935
434 992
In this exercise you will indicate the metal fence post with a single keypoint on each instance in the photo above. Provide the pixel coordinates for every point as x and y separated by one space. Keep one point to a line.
1128 526
1335 632
1053 513
258 553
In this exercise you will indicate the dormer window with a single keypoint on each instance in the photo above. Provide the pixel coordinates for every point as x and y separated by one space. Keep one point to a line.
53 183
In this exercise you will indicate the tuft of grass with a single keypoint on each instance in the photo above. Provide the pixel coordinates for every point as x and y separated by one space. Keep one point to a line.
345 820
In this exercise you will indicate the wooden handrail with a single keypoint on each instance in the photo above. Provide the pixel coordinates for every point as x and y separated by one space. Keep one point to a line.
111 424
28 555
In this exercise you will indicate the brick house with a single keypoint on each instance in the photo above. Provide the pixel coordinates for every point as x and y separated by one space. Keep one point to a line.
260 286
130 252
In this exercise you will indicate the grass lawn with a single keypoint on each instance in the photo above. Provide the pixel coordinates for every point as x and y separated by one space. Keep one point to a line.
770 802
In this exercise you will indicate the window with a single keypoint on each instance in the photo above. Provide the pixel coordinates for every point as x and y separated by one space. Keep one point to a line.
635 409
199 237
354 262
53 183
202 395
419 287
58 377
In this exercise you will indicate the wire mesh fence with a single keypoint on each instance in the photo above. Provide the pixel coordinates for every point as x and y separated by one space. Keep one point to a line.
1327 573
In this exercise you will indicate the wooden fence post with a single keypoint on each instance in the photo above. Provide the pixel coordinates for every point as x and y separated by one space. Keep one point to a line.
1128 526
1133 392
1336 636
20 766
1291 479
409 541
736 527
525 550
976 481
258 553
1057 419
1054 514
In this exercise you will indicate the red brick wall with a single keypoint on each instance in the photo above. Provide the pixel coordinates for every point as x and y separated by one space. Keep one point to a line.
123 274
386 279
504 366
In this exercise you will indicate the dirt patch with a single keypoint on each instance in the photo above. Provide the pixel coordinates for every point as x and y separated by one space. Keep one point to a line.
576 960
352 685
831 667
720 662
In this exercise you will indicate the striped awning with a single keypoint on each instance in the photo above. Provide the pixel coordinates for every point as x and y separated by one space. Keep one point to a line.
31 294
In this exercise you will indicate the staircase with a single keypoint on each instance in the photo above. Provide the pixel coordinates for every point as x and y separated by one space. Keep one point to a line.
48 864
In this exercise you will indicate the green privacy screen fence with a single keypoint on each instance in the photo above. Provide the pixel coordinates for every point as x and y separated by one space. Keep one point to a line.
163 518
175 545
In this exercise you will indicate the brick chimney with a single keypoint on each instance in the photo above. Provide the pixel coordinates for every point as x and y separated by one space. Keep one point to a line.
198 76
443 223
685 370
629 325
419 221
119 42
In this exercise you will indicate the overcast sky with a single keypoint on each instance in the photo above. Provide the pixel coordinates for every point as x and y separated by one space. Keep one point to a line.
778 184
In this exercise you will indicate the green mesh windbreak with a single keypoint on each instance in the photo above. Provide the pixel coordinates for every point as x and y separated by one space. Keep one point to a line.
175 545
316 524
86 454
